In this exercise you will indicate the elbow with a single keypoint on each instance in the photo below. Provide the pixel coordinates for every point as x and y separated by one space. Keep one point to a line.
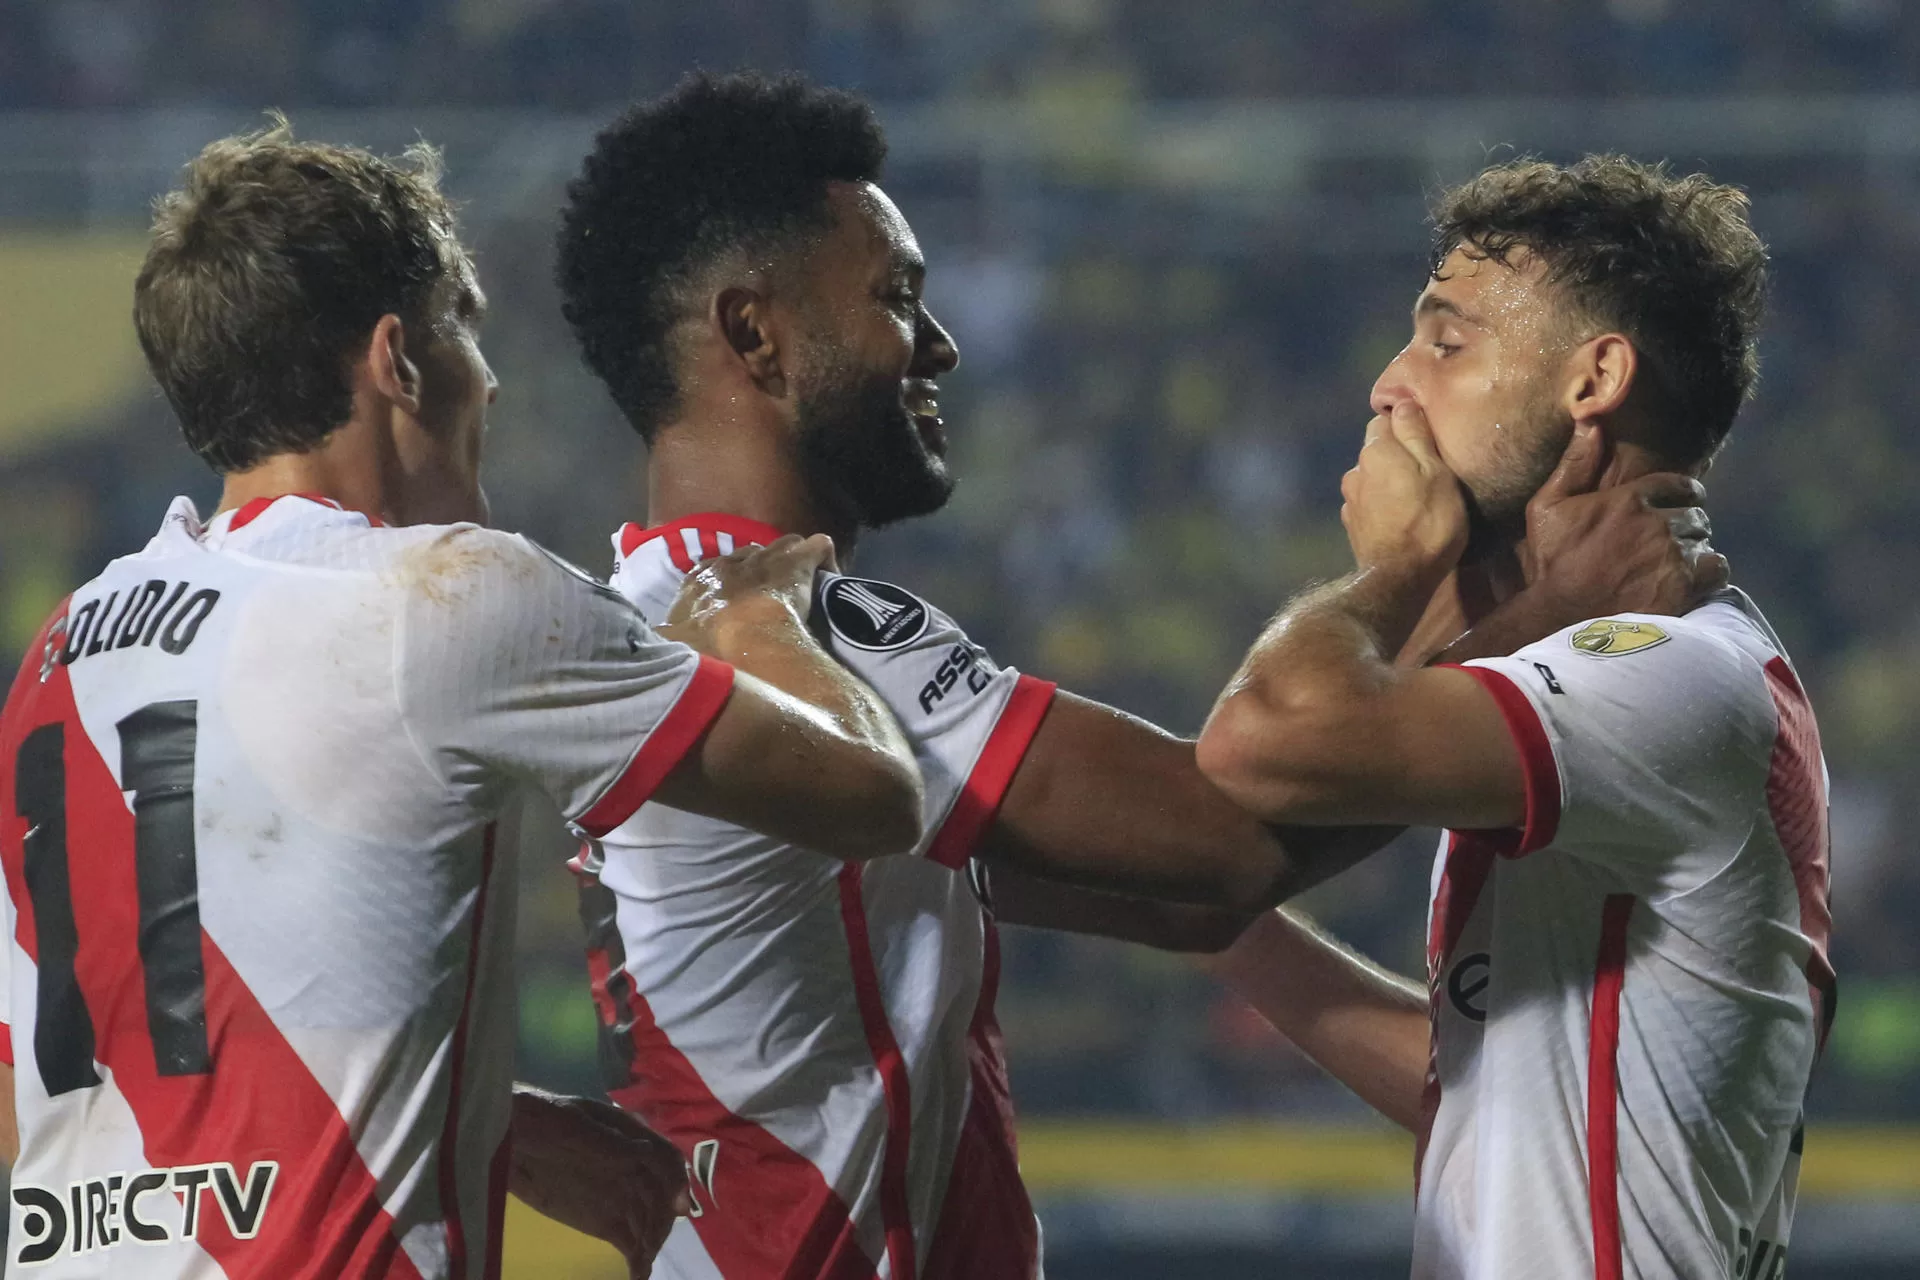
1252 754
884 817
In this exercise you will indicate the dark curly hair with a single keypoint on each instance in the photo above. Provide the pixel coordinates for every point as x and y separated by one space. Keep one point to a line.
1669 261
721 164
268 267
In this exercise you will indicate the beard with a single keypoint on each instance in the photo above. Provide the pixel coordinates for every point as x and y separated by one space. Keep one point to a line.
1525 454
863 455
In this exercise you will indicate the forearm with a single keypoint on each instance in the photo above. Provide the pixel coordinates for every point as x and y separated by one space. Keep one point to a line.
1366 1027
802 751
1019 898
1108 802
777 649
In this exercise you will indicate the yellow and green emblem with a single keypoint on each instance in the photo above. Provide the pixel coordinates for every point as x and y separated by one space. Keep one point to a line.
1610 637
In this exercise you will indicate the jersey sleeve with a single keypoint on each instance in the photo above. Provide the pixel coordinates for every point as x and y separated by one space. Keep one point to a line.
1639 737
518 666
970 721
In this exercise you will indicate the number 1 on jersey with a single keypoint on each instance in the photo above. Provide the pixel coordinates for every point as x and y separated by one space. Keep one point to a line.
157 746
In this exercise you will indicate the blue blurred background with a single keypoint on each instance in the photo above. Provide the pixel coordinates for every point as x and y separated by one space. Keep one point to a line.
1175 245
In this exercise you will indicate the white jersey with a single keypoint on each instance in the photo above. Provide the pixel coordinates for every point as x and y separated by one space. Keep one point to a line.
1628 995
259 927
817 1035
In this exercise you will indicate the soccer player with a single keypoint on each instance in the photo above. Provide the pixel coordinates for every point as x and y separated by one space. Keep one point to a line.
818 1035
258 914
1627 973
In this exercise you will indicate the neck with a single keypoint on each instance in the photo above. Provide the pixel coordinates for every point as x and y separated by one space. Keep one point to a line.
345 468
700 464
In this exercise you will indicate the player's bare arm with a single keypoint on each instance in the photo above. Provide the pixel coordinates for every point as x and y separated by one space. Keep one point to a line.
1320 726
599 1170
1365 1026
1147 823
1106 800
803 750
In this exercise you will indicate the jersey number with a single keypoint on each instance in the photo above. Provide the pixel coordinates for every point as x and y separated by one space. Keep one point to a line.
156 765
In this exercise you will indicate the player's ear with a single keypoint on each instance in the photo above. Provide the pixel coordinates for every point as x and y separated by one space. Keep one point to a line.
393 373
742 316
1599 375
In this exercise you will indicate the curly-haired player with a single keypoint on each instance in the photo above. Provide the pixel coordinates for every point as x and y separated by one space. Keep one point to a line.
1627 951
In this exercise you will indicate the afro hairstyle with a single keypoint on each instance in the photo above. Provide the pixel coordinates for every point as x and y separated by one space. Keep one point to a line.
720 164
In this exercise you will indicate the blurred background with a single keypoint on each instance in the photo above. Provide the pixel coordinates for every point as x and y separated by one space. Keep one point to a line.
1175 245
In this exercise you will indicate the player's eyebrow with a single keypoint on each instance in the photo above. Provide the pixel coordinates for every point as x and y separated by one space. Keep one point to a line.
911 265
1433 304
473 303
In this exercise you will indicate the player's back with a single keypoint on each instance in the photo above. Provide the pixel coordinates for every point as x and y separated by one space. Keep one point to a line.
260 923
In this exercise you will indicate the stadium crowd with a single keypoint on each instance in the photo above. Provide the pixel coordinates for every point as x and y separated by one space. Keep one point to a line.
1149 443
99 53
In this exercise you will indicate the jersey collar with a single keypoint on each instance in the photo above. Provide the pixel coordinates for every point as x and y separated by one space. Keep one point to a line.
632 536
249 511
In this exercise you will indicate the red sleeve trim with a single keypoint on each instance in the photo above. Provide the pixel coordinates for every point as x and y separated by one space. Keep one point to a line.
698 706
1541 771
6 1044
993 772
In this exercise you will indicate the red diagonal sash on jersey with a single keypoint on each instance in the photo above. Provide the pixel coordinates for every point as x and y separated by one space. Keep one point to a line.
768 1213
324 1218
1797 802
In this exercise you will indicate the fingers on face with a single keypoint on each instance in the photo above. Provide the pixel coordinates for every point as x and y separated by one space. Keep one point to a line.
1668 489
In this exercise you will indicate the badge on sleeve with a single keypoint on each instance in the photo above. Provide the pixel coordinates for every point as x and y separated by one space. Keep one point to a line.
874 615
1610 637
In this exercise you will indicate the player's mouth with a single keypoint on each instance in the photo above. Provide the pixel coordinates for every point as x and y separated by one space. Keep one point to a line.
922 400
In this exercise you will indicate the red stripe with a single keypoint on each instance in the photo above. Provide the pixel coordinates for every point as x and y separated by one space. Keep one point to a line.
709 544
248 512
251 509
677 552
1603 1087
697 708
631 536
450 1130
1537 764
1469 860
894 1211
708 523
993 772
987 1227
260 1102
1797 802
6 1044
771 1215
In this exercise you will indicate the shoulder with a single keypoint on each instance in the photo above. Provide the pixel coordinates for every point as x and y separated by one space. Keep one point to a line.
869 615
1700 676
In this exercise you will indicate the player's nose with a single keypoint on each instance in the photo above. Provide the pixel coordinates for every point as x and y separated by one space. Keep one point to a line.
935 351
1390 388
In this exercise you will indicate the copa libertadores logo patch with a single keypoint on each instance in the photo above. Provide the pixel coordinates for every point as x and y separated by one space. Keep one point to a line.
1610 637
874 615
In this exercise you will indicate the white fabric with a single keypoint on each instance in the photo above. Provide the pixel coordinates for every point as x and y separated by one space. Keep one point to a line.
367 701
1667 765
739 945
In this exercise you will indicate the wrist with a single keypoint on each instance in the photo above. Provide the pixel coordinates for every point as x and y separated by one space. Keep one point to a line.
1390 599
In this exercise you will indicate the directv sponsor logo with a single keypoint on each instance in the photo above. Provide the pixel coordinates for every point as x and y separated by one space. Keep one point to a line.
154 1206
